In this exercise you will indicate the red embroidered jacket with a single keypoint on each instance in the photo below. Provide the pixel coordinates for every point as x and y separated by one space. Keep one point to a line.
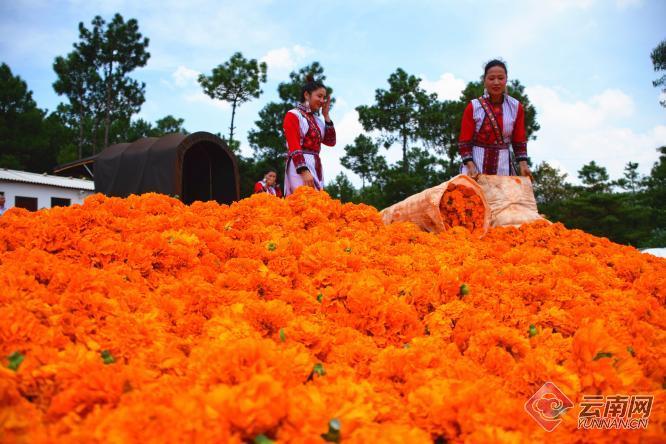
476 128
305 132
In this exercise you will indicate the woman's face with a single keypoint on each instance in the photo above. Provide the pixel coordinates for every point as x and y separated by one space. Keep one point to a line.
316 98
270 179
495 80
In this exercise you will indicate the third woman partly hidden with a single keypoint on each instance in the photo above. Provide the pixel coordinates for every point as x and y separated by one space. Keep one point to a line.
268 184
491 124
305 131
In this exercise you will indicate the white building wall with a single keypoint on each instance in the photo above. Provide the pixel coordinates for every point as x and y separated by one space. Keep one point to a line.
43 193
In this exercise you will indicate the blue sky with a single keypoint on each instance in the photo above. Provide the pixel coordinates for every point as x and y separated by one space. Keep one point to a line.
585 63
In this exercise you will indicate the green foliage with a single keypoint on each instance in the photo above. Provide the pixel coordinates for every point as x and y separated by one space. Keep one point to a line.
550 184
15 360
595 177
631 180
439 128
82 86
392 183
636 217
169 124
342 189
290 92
236 81
363 159
423 170
29 138
262 439
141 128
107 357
267 140
113 50
615 216
658 56
397 111
657 239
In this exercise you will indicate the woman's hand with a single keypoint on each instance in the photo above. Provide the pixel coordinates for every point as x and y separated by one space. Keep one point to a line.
308 180
325 108
471 170
525 169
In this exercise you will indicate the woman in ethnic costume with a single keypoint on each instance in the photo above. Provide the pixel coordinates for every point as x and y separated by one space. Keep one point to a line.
491 124
268 184
305 131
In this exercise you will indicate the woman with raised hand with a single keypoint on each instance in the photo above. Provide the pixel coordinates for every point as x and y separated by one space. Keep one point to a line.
490 125
305 131
268 184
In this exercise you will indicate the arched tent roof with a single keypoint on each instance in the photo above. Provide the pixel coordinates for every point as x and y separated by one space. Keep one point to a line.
197 166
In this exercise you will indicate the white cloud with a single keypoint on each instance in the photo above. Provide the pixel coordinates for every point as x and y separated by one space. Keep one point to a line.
613 103
184 77
346 130
624 4
575 132
562 5
200 97
447 87
530 26
286 59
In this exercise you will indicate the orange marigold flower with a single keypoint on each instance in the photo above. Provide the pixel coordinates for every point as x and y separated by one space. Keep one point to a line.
270 318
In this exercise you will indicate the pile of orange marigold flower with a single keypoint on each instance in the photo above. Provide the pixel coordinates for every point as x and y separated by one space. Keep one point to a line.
306 320
462 207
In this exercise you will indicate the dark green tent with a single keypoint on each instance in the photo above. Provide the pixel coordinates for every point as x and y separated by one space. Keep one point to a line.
197 166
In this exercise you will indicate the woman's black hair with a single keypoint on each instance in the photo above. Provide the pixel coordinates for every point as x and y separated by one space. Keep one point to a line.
270 170
492 64
310 85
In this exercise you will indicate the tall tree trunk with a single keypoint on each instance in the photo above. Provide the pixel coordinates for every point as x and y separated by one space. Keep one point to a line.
452 153
231 128
107 116
80 141
81 134
95 128
405 166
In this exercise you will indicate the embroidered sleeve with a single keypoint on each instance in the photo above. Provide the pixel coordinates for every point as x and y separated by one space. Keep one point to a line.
519 136
329 134
292 132
467 133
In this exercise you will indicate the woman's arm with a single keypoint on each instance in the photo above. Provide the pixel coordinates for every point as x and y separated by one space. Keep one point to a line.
292 132
329 130
467 128
519 136
519 142
329 134
465 141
